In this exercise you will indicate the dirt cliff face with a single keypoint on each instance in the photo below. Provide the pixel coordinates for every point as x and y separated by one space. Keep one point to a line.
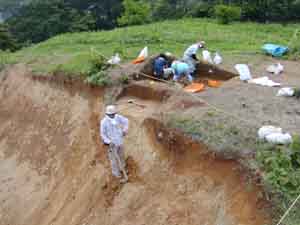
54 169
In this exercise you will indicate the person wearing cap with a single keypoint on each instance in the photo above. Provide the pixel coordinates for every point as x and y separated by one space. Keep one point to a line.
181 69
190 56
113 128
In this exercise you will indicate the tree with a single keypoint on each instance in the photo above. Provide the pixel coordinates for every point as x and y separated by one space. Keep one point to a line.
135 12
105 12
7 42
42 19
226 14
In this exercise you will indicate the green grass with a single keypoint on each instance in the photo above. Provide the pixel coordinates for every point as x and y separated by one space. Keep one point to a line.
223 135
71 53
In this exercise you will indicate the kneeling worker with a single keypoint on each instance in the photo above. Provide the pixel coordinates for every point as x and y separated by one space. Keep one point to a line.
160 63
181 69
113 128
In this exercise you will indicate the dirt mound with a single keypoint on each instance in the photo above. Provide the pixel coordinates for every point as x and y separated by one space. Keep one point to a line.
54 170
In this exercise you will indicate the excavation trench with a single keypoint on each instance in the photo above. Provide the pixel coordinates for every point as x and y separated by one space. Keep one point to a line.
54 169
204 70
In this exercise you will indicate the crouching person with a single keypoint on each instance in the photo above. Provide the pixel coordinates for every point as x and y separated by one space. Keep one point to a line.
160 63
190 56
181 69
113 128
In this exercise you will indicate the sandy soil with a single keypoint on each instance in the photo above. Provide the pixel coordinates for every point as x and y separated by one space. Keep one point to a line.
54 169
259 105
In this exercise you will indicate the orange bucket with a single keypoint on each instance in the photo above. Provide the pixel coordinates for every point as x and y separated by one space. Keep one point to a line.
194 88
214 83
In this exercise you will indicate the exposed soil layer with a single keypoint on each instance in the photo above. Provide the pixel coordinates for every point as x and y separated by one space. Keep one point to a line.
54 169
144 91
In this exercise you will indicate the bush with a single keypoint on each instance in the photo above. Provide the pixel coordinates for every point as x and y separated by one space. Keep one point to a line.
294 46
202 9
7 42
281 166
98 72
226 14
124 79
297 93
135 12
281 173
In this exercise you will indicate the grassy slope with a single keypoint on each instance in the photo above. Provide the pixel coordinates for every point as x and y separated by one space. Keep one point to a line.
71 52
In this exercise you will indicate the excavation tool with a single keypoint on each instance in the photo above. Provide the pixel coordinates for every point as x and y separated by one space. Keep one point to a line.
137 104
121 166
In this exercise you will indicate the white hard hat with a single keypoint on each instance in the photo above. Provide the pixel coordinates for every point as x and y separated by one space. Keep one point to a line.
111 109
168 54
201 43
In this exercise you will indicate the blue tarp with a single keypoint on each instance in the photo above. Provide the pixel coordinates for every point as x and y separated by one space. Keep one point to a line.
275 50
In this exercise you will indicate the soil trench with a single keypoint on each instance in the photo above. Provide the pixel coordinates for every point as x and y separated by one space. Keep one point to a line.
54 169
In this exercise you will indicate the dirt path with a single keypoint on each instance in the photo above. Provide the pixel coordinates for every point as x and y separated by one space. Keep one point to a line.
54 170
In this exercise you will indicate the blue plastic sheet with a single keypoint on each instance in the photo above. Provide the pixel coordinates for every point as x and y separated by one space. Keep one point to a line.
275 50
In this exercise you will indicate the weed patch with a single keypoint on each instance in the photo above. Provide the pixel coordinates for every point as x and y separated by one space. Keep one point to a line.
281 174
98 73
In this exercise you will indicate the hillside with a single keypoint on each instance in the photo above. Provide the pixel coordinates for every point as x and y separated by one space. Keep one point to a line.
71 52
192 158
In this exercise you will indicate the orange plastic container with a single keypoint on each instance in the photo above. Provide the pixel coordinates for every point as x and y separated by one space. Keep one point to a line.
194 88
214 83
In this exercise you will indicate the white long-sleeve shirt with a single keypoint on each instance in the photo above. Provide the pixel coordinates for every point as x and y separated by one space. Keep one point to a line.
192 50
112 130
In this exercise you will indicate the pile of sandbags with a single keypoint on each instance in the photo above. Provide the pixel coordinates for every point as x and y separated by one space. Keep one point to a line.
274 135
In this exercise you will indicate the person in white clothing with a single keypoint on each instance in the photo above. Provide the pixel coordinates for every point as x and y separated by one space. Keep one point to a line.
113 128
190 55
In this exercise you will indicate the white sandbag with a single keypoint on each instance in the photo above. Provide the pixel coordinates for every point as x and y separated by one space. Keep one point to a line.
264 81
144 53
267 130
206 55
286 92
218 59
243 71
275 68
279 138
114 60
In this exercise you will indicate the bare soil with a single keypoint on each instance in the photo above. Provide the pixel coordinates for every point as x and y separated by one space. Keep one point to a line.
54 168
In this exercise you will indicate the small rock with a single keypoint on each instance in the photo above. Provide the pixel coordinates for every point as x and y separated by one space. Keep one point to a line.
160 135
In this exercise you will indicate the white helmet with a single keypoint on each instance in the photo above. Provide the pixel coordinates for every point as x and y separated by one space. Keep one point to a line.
168 54
111 109
201 44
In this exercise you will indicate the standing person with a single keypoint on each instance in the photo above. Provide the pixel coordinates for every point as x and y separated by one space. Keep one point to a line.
190 56
113 128
181 69
160 63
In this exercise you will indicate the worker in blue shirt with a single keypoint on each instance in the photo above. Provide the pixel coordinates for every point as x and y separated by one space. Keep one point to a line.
160 63
181 69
